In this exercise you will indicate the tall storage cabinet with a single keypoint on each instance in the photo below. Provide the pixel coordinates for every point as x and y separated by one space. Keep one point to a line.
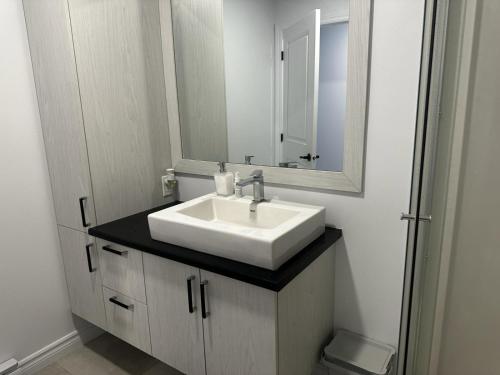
54 68
119 59
101 95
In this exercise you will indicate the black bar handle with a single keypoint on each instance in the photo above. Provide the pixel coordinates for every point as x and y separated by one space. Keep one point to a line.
82 201
204 312
307 157
121 304
89 258
109 249
190 294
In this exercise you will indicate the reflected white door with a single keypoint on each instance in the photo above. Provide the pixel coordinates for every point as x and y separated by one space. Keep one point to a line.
300 90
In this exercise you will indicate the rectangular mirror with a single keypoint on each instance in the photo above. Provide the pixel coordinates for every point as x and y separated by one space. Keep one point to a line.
275 83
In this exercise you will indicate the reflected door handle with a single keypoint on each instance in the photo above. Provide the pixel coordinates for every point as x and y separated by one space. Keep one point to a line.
307 157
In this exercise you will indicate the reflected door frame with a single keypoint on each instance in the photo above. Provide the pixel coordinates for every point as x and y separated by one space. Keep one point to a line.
279 80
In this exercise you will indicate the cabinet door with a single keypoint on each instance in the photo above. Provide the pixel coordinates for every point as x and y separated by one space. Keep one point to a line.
120 69
176 333
82 275
240 328
53 60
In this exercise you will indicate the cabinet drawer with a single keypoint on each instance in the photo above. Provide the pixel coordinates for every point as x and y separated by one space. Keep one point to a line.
127 319
122 270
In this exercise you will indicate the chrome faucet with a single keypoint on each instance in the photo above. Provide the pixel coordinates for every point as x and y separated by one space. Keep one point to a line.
257 179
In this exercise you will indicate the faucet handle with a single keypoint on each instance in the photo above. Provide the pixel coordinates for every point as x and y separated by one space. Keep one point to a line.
256 173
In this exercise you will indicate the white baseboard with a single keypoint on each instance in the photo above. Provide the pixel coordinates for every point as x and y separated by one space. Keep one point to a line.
56 350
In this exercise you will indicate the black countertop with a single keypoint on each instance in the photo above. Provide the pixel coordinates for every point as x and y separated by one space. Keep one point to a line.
133 231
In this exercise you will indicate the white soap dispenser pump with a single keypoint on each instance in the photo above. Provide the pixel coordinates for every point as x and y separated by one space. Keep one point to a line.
223 181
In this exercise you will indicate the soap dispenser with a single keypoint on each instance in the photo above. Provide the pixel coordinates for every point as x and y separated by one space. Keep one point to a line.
237 188
223 181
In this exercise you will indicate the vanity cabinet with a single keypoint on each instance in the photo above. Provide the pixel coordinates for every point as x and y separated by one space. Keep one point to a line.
83 276
233 327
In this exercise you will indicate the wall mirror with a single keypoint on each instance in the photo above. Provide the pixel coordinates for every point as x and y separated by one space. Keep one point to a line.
279 84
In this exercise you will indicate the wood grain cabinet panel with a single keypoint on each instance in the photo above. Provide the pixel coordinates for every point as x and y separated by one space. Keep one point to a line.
120 69
122 269
54 69
127 319
176 333
241 328
197 28
83 276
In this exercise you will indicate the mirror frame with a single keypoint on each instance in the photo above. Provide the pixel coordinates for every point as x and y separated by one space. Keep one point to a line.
350 179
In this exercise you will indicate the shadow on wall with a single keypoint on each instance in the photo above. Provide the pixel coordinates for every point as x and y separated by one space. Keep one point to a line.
347 295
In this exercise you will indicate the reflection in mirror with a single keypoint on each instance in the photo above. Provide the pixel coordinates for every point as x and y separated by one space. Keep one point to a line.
262 81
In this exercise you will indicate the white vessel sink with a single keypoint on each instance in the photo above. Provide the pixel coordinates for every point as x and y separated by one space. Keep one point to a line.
224 226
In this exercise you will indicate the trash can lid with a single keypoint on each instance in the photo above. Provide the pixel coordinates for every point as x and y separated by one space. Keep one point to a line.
361 352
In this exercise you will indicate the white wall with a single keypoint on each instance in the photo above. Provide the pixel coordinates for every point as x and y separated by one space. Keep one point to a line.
34 307
249 73
370 258
332 93
290 11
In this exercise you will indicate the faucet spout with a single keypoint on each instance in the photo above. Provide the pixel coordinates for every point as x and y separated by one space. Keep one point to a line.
256 178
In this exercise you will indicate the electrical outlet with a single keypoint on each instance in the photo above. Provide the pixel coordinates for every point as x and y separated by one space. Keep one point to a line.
167 191
168 185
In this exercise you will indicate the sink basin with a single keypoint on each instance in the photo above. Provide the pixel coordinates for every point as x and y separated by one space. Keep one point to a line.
224 226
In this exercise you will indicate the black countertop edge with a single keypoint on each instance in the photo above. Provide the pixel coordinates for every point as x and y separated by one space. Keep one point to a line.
133 231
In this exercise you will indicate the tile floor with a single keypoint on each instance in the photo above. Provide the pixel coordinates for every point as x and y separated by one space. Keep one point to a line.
108 355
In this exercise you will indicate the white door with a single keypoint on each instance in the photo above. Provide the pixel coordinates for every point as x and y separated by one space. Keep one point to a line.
172 291
300 90
240 327
81 264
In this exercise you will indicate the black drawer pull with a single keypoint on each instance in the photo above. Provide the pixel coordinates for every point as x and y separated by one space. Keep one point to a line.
114 251
204 312
82 201
190 294
121 304
89 258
